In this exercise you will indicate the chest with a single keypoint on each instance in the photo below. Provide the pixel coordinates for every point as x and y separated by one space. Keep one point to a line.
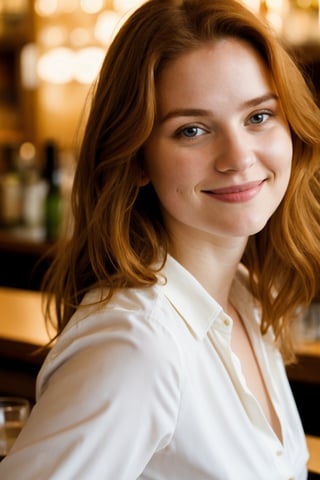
242 347
221 432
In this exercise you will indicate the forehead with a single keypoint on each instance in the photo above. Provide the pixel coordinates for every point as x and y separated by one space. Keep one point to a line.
224 66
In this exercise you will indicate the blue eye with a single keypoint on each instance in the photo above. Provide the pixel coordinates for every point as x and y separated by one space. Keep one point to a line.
258 118
191 132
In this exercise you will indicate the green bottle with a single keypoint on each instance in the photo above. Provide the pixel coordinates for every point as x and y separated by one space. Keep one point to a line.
54 201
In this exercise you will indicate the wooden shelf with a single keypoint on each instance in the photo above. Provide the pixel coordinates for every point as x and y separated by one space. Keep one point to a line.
24 244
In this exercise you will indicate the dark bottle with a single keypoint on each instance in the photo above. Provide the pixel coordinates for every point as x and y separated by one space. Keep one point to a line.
10 188
54 201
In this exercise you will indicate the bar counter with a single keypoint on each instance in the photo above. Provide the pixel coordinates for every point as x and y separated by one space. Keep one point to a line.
314 449
21 317
23 341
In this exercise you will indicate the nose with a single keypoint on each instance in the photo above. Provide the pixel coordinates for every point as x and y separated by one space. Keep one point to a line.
235 154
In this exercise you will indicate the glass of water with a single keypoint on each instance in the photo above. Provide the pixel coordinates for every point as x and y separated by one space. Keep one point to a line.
14 412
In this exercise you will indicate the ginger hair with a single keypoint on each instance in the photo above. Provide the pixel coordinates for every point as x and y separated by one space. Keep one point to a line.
118 233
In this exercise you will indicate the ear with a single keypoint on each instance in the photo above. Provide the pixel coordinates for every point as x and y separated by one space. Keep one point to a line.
144 179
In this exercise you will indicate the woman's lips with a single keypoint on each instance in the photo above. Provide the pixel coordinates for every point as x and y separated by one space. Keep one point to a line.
236 193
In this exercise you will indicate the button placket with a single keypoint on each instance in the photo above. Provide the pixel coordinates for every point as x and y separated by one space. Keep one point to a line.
227 322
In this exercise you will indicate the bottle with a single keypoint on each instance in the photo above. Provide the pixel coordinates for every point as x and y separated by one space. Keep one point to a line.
54 201
10 189
34 192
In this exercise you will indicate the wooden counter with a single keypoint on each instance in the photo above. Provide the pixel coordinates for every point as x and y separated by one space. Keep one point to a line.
314 450
308 348
21 317
23 340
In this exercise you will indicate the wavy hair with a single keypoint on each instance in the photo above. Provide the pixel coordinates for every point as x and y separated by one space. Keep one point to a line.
118 230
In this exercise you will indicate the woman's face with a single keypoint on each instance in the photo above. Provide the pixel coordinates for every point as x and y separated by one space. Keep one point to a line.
219 156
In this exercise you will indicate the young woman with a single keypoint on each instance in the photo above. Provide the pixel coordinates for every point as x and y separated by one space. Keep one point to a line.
196 240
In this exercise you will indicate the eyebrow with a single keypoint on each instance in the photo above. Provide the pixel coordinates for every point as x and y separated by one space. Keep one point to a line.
200 112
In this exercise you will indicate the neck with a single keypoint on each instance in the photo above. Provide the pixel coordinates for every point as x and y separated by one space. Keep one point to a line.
213 265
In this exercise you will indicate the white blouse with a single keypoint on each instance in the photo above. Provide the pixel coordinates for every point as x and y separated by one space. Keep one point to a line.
147 387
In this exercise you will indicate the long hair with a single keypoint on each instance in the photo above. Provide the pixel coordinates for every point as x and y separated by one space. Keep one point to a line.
118 232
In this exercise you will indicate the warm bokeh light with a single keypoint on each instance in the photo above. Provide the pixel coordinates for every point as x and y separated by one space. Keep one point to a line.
28 66
27 152
106 25
275 20
53 36
63 65
125 5
67 6
252 4
71 38
274 4
80 24
80 37
46 8
56 65
87 63
92 6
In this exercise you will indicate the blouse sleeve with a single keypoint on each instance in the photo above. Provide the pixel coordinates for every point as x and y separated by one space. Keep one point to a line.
109 396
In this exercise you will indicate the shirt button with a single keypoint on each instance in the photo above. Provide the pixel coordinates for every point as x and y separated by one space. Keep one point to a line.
279 453
226 322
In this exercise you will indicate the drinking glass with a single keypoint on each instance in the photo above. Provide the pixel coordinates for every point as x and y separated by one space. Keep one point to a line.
14 412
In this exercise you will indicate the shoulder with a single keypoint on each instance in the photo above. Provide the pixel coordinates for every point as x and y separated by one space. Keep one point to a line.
132 329
132 311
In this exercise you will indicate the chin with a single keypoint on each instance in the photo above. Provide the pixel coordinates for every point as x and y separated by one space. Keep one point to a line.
248 228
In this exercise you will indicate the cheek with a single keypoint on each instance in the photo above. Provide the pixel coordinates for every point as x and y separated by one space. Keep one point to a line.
161 175
169 168
279 151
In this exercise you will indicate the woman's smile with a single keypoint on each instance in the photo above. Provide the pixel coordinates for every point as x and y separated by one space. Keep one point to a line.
236 193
